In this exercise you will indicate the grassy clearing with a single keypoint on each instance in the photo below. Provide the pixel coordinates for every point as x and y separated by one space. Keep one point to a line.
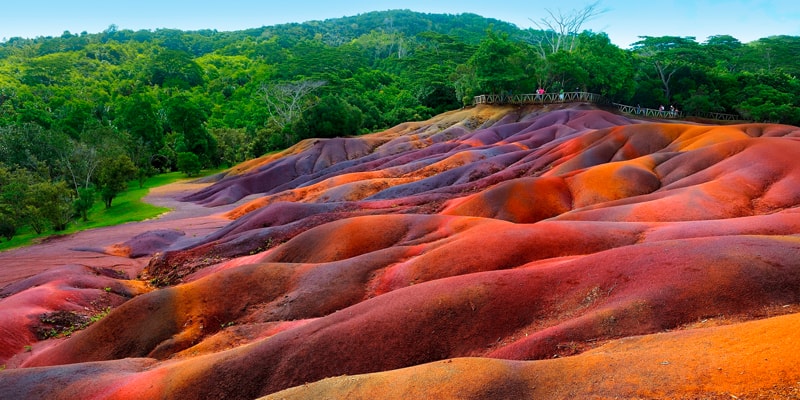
126 207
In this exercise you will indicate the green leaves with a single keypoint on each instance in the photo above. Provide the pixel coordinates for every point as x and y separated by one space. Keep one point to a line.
52 201
189 163
113 175
497 64
330 117
84 202
174 68
138 114
609 69
187 116
767 103
26 198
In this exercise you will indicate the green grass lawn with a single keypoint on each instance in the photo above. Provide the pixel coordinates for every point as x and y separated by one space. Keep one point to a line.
126 207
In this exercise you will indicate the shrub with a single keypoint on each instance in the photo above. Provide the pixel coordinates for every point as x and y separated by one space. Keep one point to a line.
189 163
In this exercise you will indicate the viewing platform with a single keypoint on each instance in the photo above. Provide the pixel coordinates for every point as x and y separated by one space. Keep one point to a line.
594 98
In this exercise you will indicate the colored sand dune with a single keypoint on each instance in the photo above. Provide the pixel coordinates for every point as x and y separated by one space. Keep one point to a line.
492 252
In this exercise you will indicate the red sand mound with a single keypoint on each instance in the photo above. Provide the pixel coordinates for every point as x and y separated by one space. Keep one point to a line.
749 360
494 252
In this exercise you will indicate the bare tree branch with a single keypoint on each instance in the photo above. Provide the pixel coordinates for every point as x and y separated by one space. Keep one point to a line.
286 101
559 30
80 161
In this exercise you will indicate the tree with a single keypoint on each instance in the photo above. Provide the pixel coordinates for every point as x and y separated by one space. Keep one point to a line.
773 54
30 146
80 163
668 55
465 83
725 50
84 202
232 145
766 103
380 45
19 200
287 101
35 218
187 116
79 158
497 64
565 70
139 115
8 224
189 163
49 69
113 176
332 116
702 100
14 186
53 202
559 31
609 69
175 68
429 67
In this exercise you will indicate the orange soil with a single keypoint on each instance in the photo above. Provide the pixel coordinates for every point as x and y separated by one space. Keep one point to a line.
755 359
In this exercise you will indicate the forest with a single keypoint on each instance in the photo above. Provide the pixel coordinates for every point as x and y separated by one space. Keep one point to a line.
83 114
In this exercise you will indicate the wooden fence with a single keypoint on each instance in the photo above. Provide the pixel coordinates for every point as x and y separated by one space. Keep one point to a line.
571 97
545 98
648 112
718 116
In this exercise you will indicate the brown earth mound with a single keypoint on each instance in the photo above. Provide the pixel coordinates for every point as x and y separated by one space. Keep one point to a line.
493 252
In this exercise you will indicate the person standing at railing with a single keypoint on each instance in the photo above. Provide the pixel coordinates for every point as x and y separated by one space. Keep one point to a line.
539 93
561 95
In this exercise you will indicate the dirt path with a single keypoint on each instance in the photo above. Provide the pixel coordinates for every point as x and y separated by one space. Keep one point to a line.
85 247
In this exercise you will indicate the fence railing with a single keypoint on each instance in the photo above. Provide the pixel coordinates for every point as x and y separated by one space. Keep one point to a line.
570 97
536 98
718 116
648 112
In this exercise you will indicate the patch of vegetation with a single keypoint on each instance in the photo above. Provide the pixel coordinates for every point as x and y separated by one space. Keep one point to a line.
60 323
65 323
128 207
159 282
268 244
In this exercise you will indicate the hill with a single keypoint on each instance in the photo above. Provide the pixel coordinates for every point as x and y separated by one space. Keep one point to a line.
486 252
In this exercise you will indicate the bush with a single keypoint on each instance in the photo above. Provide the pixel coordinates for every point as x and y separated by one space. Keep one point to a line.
189 163
113 176
84 202
53 202
331 117
8 227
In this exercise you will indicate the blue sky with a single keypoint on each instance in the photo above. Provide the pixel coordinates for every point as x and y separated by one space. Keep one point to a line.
623 21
